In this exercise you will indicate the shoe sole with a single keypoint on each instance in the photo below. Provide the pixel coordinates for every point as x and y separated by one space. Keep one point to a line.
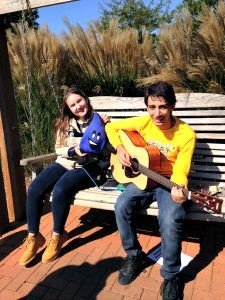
27 262
50 260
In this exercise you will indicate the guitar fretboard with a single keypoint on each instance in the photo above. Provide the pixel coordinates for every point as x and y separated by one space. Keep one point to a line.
157 177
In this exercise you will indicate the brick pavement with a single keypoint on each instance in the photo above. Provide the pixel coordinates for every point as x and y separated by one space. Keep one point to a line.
88 264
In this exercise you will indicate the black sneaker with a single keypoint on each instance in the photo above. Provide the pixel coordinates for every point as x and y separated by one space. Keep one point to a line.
171 289
131 267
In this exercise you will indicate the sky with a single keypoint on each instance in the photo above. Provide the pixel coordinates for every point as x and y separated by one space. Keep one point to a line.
82 12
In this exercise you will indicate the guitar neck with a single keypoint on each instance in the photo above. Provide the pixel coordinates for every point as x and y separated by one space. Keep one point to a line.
158 178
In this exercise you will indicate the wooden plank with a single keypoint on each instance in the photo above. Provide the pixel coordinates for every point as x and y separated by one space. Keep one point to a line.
210 152
8 6
210 159
207 120
209 168
203 183
199 113
208 128
207 175
29 161
10 151
210 136
118 112
210 146
193 100
4 218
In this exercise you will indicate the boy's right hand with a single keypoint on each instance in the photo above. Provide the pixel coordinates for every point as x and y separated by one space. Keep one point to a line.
123 156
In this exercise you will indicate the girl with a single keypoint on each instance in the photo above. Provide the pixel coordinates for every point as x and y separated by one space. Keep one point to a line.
72 171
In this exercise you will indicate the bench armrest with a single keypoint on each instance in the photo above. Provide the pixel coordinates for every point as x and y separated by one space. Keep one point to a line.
37 159
37 162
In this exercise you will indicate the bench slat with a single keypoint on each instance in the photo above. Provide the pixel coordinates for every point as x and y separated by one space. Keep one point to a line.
210 136
184 100
212 168
201 175
209 152
204 121
206 183
209 159
217 146
117 112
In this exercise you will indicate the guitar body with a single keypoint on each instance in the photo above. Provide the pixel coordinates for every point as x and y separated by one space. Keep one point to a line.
141 153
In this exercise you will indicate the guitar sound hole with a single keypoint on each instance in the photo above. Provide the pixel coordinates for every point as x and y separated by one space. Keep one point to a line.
132 171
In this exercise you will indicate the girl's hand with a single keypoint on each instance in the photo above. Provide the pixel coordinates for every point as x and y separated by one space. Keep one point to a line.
105 118
78 152
177 194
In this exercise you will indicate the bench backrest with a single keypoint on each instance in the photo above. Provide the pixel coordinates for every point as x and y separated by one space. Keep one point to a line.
206 115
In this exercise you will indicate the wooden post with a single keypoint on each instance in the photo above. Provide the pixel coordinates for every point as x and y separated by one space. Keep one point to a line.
4 219
10 150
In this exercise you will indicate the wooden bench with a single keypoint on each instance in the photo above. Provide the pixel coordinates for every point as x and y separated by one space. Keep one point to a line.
204 112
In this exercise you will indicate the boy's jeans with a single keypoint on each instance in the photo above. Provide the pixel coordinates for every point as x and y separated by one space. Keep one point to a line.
170 217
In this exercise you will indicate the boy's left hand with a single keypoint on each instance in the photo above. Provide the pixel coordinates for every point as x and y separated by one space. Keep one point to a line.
177 194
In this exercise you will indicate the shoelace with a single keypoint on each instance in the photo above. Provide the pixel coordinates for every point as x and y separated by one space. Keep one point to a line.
53 242
128 263
27 241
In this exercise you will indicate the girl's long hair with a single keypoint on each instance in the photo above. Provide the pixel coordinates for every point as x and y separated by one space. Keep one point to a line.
62 123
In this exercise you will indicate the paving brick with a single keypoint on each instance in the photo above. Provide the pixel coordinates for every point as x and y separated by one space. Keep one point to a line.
104 295
69 291
192 249
13 258
127 290
17 282
218 287
203 281
148 294
198 294
9 295
51 294
9 271
4 282
147 283
110 280
38 291
188 290
26 289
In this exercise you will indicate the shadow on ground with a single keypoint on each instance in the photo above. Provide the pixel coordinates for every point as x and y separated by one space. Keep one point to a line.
104 220
11 242
211 237
75 282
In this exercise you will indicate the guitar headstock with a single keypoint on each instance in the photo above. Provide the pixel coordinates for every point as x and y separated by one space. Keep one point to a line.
210 203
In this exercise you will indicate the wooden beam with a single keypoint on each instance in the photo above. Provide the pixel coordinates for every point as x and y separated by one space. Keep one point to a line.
4 218
10 150
8 6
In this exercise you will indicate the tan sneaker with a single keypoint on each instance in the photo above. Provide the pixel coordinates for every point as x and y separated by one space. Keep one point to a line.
31 246
54 247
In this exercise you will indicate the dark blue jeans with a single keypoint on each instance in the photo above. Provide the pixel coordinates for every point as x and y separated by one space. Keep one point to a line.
170 217
63 183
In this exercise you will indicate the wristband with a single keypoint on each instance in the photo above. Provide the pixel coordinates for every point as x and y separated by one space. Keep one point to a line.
71 151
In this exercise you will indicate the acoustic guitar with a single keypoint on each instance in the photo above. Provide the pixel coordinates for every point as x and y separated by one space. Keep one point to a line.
143 160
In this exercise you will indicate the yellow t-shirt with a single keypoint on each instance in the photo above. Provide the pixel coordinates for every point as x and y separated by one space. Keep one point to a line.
176 145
